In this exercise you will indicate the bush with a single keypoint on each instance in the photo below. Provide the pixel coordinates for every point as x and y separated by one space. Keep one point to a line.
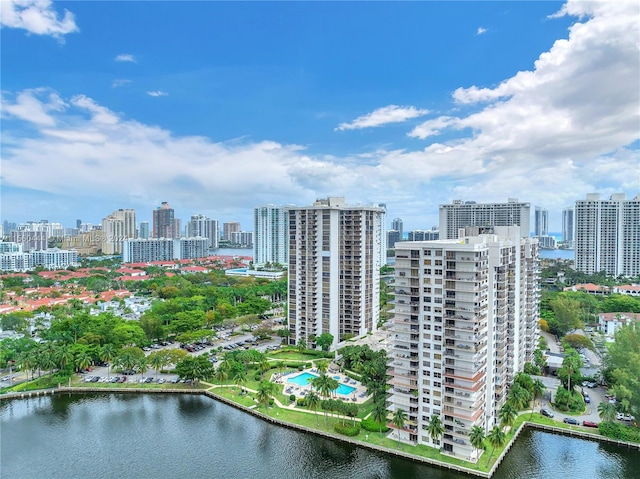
618 430
347 429
271 401
257 377
301 402
373 426
301 367
565 401
531 369
292 397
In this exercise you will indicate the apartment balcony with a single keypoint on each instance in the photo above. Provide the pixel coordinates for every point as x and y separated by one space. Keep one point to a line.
467 415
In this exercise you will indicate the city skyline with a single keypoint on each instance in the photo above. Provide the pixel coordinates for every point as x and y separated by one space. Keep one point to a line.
508 100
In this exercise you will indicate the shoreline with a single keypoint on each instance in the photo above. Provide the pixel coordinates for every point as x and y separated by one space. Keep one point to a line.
328 435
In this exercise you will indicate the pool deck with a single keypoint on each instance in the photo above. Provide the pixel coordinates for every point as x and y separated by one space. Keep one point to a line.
358 396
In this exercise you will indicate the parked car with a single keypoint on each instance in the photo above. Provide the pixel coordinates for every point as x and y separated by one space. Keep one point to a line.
175 380
589 424
570 420
546 412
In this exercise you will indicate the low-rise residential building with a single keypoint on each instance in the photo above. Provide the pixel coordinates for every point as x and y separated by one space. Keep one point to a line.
54 258
609 323
628 289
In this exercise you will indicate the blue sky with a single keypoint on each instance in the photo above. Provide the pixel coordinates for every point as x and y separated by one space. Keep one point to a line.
221 107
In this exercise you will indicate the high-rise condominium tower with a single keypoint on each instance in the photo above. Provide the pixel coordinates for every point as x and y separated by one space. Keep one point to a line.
144 231
608 235
334 269
459 214
228 228
270 243
568 226
397 225
116 228
205 227
466 313
163 222
541 222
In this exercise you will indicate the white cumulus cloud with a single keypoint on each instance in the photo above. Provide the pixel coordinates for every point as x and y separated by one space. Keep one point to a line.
157 93
481 30
383 116
126 57
37 17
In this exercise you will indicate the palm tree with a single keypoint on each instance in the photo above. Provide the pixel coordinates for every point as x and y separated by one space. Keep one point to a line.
607 411
141 365
476 437
156 361
519 397
222 374
538 390
379 414
26 362
48 363
313 401
63 355
302 345
496 438
507 415
324 386
82 360
398 420
240 378
435 428
264 393
322 365
107 353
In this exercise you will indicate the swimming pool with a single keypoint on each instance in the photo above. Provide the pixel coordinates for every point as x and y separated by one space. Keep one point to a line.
305 378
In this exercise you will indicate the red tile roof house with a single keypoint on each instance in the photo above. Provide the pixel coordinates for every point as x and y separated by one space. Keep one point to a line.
131 272
609 323
194 269
628 289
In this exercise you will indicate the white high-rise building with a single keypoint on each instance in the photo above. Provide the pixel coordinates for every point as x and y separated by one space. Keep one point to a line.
270 243
200 225
466 313
607 235
53 258
334 269
163 249
117 227
568 227
541 222
459 214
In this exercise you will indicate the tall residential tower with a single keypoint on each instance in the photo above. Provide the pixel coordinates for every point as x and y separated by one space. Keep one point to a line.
466 313
270 243
334 269
608 235
459 214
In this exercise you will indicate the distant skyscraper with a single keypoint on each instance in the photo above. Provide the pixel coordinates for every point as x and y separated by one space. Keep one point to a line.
163 221
30 240
607 235
228 228
144 231
163 249
396 224
419 235
459 214
568 226
270 244
117 227
541 222
334 269
393 236
78 223
244 239
200 225
177 228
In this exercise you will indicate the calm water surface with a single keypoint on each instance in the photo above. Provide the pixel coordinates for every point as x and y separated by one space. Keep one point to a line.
167 436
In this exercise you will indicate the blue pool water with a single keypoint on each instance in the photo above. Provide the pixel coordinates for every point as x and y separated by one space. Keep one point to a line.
305 378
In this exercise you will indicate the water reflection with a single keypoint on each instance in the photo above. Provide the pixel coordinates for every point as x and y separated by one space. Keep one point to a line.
163 436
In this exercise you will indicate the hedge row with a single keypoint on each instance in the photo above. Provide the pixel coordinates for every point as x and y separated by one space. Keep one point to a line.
347 429
373 426
618 430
